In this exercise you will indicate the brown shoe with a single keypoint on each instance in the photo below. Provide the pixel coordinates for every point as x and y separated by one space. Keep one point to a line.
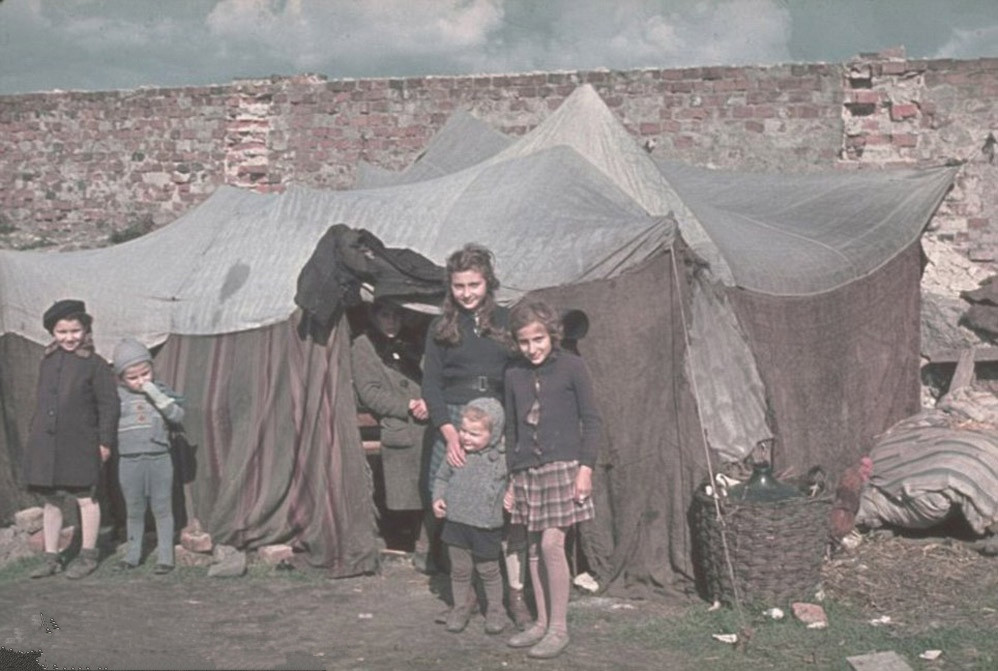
458 618
495 620
525 639
84 564
518 610
51 566
471 602
550 646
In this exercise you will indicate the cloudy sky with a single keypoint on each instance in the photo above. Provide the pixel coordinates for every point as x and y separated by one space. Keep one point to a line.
117 44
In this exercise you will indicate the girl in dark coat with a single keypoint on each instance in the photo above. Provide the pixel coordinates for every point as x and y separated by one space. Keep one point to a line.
72 432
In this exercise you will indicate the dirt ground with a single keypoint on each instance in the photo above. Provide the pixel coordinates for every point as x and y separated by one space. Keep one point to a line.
288 621
143 621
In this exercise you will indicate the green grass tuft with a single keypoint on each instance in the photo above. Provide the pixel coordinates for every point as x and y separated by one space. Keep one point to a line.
788 643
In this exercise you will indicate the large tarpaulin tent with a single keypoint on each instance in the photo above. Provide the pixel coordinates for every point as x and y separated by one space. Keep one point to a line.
724 309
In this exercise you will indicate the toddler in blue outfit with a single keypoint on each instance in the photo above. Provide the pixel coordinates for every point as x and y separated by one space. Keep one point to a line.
145 468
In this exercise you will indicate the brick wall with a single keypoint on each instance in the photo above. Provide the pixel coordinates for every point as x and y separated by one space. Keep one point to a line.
88 169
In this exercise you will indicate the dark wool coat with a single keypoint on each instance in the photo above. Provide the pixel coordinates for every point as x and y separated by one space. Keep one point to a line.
386 392
76 411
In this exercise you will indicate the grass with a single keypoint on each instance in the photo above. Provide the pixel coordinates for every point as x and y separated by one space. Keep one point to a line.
107 570
18 569
789 644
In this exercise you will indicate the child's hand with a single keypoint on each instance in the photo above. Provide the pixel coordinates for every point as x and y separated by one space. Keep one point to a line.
440 509
417 407
583 485
158 398
508 499
105 453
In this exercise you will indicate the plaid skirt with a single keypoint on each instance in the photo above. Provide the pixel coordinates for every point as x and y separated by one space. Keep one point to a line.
543 497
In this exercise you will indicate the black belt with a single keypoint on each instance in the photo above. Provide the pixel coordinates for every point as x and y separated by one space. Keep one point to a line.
479 383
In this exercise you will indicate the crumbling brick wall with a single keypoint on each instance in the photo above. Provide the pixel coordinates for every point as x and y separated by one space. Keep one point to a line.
89 169
899 113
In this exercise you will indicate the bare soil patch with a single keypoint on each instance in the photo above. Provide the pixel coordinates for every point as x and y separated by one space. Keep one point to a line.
281 621
300 620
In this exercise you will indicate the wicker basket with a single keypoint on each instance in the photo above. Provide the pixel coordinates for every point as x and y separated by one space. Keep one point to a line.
776 549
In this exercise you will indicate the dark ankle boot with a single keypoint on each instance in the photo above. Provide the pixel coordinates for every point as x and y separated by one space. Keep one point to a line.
84 564
460 614
51 566
518 610
495 614
471 601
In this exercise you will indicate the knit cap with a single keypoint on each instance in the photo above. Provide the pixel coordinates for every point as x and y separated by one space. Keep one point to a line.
493 409
129 352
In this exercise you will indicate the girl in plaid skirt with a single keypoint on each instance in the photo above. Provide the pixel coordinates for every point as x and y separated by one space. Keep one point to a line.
552 437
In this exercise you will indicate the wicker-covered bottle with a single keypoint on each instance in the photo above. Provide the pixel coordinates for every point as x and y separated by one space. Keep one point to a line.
763 487
764 543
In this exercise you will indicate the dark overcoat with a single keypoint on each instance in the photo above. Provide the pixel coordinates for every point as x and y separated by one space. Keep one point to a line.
76 411
386 392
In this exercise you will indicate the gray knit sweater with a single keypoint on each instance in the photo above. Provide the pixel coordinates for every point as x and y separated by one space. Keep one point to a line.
474 492
142 428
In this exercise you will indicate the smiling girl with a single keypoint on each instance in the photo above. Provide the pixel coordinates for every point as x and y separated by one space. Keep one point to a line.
72 432
467 350
466 355
552 436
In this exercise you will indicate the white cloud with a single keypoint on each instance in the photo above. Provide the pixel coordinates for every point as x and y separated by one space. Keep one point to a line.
104 34
106 44
645 33
972 43
400 37
345 36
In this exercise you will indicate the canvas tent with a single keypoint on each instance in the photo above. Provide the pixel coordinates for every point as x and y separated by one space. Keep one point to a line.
723 309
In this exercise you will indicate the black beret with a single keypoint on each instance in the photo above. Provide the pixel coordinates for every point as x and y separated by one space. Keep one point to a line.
67 307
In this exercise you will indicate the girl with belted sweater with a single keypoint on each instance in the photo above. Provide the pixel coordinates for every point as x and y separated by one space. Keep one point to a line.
465 358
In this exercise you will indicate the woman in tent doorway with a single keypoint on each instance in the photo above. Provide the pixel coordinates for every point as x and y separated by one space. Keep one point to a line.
467 350
73 430
387 378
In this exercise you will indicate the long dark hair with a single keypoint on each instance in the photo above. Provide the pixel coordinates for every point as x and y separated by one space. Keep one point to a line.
481 260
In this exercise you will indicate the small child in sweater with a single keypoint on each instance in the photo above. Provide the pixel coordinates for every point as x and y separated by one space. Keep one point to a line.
145 469
471 499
